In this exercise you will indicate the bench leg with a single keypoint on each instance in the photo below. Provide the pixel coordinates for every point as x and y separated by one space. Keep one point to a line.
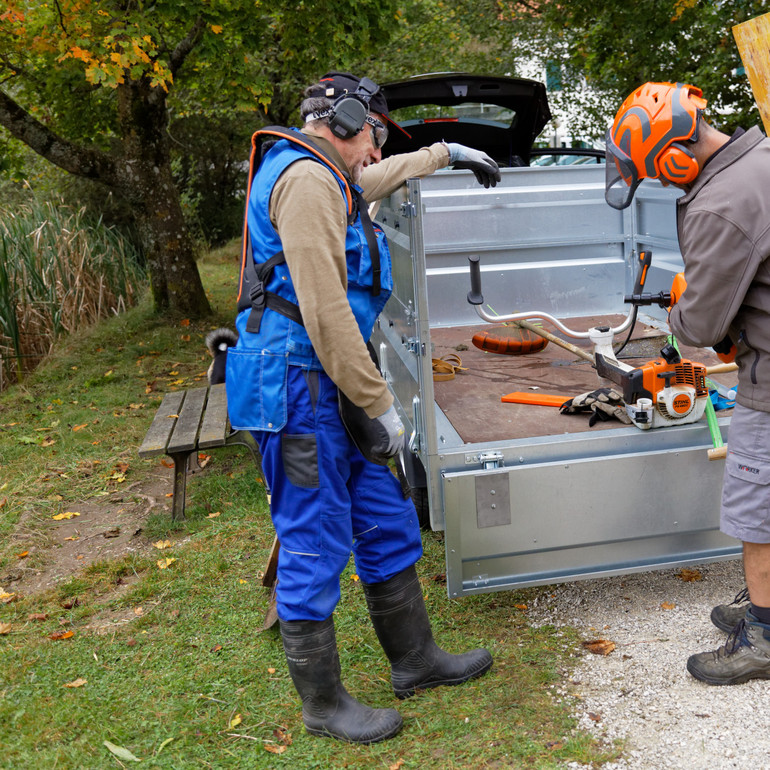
180 484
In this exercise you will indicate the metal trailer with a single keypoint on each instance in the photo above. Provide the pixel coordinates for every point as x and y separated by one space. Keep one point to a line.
524 495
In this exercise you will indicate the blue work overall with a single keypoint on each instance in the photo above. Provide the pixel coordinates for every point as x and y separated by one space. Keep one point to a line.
326 498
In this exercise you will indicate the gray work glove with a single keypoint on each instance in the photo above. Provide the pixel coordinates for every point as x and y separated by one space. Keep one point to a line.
605 403
486 170
389 433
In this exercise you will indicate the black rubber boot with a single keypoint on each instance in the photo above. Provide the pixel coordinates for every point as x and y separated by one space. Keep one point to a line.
401 621
327 707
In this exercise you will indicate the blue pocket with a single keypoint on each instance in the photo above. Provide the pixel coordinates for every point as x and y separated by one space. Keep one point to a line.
256 389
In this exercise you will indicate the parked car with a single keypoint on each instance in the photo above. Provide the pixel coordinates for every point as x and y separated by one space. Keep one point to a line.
502 116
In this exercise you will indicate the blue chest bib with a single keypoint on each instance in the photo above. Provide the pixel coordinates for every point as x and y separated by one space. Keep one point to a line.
271 334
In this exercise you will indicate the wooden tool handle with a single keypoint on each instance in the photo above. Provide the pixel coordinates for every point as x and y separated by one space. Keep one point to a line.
556 340
718 453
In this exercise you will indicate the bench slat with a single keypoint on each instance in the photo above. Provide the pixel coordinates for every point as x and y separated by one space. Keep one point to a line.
186 430
214 426
162 426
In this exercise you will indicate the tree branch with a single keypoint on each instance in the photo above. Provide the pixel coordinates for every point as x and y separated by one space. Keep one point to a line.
77 160
180 53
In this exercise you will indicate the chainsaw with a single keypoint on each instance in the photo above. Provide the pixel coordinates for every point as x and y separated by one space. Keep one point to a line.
670 390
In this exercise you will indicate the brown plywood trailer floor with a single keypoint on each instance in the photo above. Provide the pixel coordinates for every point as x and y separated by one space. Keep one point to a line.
471 401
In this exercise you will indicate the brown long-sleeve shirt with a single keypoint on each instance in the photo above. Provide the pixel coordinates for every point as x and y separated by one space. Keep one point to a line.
310 216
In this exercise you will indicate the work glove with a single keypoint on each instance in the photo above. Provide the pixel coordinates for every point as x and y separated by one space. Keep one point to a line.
388 434
604 403
486 170
726 350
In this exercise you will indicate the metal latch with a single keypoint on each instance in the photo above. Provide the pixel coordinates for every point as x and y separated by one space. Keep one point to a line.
408 209
488 460
413 345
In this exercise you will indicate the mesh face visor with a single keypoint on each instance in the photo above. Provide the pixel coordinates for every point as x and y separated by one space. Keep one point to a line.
621 176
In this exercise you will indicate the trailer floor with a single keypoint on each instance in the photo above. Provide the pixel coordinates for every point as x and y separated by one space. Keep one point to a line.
471 401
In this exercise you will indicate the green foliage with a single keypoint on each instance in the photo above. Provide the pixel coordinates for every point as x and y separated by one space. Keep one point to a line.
616 46
58 273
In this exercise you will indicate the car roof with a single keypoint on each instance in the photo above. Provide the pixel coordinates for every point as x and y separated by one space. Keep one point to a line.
508 142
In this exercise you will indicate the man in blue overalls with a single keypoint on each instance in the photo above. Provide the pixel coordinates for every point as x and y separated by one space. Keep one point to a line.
316 273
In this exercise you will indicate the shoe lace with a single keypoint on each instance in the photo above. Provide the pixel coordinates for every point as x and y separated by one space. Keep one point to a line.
737 638
741 597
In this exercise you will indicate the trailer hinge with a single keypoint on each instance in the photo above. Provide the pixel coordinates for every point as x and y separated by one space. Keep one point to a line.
488 460
413 345
408 209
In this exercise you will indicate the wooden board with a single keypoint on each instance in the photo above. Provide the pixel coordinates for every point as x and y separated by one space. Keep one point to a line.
186 430
753 40
214 425
162 425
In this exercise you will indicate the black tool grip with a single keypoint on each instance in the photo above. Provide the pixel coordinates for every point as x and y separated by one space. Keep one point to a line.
475 297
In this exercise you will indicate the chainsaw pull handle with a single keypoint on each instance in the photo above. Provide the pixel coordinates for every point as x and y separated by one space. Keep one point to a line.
475 297
645 259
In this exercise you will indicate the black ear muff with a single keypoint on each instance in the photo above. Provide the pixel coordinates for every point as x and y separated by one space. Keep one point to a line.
678 165
347 117
349 111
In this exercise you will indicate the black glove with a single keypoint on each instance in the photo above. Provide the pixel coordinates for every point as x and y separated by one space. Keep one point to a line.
486 170
605 403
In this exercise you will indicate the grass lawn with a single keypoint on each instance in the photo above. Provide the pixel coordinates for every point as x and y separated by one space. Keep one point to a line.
124 660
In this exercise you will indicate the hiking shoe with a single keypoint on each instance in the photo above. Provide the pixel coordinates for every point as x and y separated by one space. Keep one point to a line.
726 616
745 655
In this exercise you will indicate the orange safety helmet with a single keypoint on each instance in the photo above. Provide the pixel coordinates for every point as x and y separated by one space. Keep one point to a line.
644 141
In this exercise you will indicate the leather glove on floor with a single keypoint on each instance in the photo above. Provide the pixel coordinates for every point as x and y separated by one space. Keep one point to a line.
603 403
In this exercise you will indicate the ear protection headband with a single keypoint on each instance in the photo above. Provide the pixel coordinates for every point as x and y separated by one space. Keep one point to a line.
348 113
678 164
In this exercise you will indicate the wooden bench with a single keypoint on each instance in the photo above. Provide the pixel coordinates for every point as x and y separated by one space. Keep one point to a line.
189 421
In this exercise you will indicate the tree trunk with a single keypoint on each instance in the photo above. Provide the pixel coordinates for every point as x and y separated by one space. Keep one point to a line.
147 182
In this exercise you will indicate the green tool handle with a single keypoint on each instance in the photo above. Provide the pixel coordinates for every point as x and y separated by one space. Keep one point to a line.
719 449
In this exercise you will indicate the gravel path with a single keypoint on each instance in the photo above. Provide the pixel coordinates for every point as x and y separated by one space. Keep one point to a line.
641 691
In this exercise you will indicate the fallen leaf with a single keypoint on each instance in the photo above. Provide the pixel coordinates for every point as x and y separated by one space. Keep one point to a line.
68 604
594 717
203 460
72 537
22 555
57 636
689 575
166 463
184 322
355 578
234 722
164 563
79 682
599 646
667 606
273 749
271 671
161 544
121 753
79 427
114 532
138 611
554 745
66 515
5 628
7 598
185 337
521 607
216 648
283 736
213 515
37 616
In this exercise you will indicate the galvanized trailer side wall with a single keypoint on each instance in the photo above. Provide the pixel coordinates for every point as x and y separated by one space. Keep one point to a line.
551 508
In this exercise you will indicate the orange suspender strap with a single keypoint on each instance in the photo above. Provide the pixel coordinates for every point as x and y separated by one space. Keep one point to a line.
297 138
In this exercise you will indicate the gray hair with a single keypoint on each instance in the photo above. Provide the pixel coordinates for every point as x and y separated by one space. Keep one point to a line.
315 104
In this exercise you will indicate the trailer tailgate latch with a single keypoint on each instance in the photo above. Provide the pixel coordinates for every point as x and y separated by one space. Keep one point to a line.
408 210
488 460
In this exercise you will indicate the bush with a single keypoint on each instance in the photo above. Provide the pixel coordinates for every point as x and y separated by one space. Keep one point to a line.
58 272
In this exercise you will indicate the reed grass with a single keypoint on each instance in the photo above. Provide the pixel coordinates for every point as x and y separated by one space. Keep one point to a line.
59 271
